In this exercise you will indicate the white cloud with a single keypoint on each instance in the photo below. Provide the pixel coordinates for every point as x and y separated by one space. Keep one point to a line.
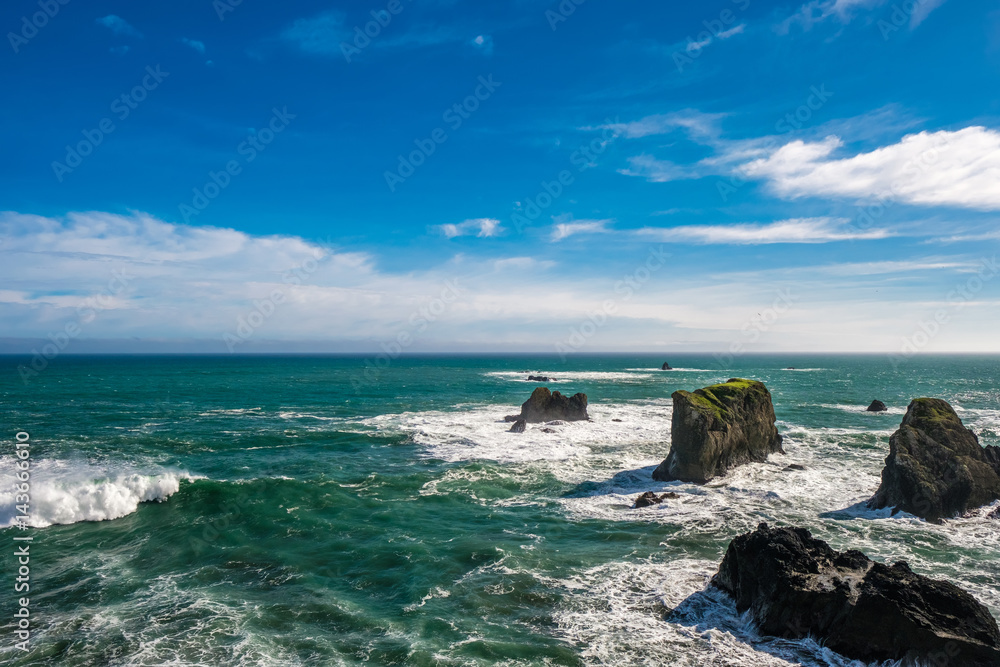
563 230
119 26
817 11
738 30
655 170
319 35
484 43
521 264
480 227
802 230
944 168
194 44
698 124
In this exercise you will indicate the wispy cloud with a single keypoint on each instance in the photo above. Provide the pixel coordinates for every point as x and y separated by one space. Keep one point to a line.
564 228
119 26
960 168
318 35
655 170
484 44
698 124
844 11
194 44
480 227
801 230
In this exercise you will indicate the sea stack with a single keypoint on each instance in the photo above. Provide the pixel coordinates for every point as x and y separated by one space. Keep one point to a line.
666 366
877 406
936 467
545 405
797 586
718 428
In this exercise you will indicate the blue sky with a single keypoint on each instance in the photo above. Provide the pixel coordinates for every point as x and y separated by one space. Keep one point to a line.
738 176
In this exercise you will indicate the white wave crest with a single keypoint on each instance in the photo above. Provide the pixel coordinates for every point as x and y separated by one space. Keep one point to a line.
63 493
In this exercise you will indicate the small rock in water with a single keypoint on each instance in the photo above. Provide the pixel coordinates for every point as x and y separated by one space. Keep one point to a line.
666 366
877 406
518 426
540 378
794 466
548 430
616 420
995 514
512 418
649 498
790 368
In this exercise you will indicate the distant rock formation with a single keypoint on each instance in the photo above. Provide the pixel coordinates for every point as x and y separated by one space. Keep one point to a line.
650 498
718 428
666 366
877 406
545 405
540 378
796 586
518 426
936 467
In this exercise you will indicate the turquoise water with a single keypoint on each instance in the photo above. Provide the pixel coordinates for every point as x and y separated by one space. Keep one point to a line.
296 518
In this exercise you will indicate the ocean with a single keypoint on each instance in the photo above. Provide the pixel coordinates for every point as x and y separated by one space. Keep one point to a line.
296 510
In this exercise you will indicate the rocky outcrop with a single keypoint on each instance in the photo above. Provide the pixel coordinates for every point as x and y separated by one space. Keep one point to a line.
545 405
649 498
518 426
796 586
718 428
936 467
540 378
666 366
877 406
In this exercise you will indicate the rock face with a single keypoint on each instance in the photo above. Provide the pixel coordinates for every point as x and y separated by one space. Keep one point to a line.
795 585
545 405
666 366
877 406
936 467
718 428
518 426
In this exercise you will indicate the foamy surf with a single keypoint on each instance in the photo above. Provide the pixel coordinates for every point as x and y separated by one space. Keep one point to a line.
64 492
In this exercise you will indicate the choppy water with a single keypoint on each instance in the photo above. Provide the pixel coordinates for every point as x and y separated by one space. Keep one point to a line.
306 519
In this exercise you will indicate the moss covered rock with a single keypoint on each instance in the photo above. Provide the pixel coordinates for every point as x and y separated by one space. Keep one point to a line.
718 428
936 467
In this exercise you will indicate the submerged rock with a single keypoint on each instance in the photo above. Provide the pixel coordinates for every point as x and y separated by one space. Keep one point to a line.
650 498
718 428
545 405
877 406
518 426
666 366
936 467
796 586
793 466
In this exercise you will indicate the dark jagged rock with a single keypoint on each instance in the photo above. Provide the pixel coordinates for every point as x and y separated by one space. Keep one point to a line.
616 420
794 466
548 430
545 405
877 406
650 498
936 467
666 366
718 428
995 514
992 454
511 418
796 586
518 426
540 378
